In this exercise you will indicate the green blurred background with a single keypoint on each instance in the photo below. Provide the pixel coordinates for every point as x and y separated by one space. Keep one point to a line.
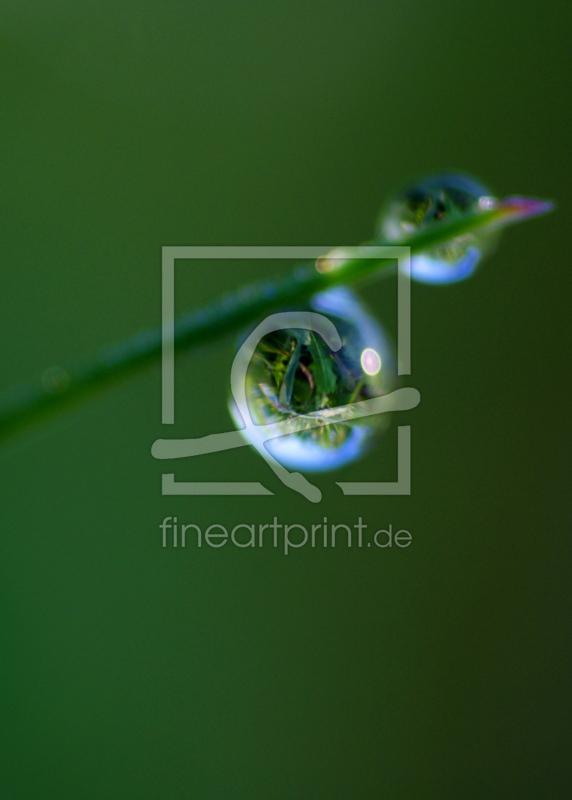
133 671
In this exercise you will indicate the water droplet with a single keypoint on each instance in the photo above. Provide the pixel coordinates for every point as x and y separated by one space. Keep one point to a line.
443 197
295 375
333 260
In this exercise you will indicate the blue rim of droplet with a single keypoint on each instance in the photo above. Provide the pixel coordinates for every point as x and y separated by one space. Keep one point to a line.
426 269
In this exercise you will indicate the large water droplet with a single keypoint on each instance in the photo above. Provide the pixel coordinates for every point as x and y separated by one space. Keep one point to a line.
443 197
294 374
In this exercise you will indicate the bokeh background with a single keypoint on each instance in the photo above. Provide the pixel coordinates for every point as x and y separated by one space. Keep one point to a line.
133 671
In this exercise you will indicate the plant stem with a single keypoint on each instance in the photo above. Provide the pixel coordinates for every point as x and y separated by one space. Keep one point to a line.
58 389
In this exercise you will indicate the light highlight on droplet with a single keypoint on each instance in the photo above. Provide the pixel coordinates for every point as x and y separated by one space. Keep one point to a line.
370 361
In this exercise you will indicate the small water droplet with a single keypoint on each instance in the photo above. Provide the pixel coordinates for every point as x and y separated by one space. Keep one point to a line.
443 197
294 374
333 260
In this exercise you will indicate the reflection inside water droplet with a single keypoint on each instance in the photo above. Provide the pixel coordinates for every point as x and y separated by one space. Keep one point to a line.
438 198
293 373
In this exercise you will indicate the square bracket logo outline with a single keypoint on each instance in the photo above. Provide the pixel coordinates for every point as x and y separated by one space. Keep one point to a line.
170 254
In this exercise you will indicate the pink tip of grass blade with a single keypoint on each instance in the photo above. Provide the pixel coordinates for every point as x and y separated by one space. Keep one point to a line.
514 209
